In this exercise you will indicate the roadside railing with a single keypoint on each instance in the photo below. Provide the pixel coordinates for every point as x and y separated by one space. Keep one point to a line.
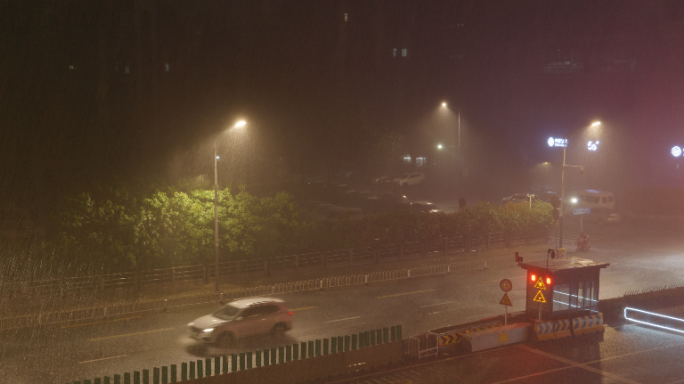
202 274
72 316
294 363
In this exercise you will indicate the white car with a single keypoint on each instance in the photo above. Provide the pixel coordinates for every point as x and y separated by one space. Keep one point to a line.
242 318
410 179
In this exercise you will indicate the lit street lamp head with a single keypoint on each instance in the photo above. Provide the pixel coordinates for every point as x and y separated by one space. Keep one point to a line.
444 104
595 123
439 146
240 124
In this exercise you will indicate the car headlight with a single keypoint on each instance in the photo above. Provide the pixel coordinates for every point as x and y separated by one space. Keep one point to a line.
209 330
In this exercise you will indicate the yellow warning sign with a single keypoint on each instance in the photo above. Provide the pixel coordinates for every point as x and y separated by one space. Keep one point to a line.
540 297
505 300
540 284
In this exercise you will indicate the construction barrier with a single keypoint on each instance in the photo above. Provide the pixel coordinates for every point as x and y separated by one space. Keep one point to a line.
423 345
312 360
587 324
561 328
542 331
439 340
497 336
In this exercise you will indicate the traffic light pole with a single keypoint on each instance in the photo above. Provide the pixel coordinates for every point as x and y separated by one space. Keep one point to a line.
562 199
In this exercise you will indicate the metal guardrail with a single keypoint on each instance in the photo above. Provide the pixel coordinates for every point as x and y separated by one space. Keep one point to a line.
121 310
196 274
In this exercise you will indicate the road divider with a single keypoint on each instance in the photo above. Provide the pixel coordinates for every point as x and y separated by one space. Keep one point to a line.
306 361
348 318
304 308
587 324
102 359
405 293
164 305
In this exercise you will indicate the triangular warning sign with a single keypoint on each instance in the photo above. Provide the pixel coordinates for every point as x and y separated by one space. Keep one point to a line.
540 284
540 297
505 300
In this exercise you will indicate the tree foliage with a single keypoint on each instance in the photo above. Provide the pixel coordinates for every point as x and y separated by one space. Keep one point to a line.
117 231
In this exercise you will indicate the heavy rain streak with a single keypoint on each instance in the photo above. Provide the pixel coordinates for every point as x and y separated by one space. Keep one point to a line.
196 188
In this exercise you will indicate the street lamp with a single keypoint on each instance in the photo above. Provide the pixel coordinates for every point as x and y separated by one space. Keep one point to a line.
566 139
239 124
444 105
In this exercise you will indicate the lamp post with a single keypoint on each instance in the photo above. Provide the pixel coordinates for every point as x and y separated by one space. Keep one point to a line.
444 105
562 199
239 124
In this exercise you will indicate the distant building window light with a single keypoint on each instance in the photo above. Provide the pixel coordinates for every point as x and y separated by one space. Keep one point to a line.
394 52
404 52
420 161
406 158
127 69
166 66
72 67
346 17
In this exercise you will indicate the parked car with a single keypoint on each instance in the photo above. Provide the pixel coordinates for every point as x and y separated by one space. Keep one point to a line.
612 218
410 179
605 216
518 198
242 318
393 200
425 207
382 180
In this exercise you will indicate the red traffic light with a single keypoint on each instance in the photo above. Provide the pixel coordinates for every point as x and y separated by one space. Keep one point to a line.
518 258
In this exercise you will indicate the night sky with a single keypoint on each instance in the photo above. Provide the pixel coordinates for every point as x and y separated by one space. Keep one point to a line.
137 89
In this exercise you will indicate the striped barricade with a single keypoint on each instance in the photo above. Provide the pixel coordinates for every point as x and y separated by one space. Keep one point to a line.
587 324
543 331
452 338
561 328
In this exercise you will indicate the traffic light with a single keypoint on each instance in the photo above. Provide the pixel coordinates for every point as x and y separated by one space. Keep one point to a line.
551 253
518 258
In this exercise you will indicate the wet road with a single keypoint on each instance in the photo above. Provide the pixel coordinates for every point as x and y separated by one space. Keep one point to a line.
65 354
627 354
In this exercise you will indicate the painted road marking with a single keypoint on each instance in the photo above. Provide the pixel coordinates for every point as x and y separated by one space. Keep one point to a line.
446 310
348 318
303 308
100 322
104 358
405 293
434 305
130 334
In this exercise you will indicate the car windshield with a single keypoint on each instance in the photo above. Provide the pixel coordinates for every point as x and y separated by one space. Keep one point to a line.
226 312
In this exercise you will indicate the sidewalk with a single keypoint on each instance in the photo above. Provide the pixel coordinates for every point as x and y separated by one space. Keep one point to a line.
23 305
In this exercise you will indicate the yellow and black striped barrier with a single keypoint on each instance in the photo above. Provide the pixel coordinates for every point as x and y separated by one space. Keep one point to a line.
587 324
561 328
456 336
543 330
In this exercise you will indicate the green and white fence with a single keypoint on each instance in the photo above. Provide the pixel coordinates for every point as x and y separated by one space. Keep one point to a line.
244 362
120 310
199 274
